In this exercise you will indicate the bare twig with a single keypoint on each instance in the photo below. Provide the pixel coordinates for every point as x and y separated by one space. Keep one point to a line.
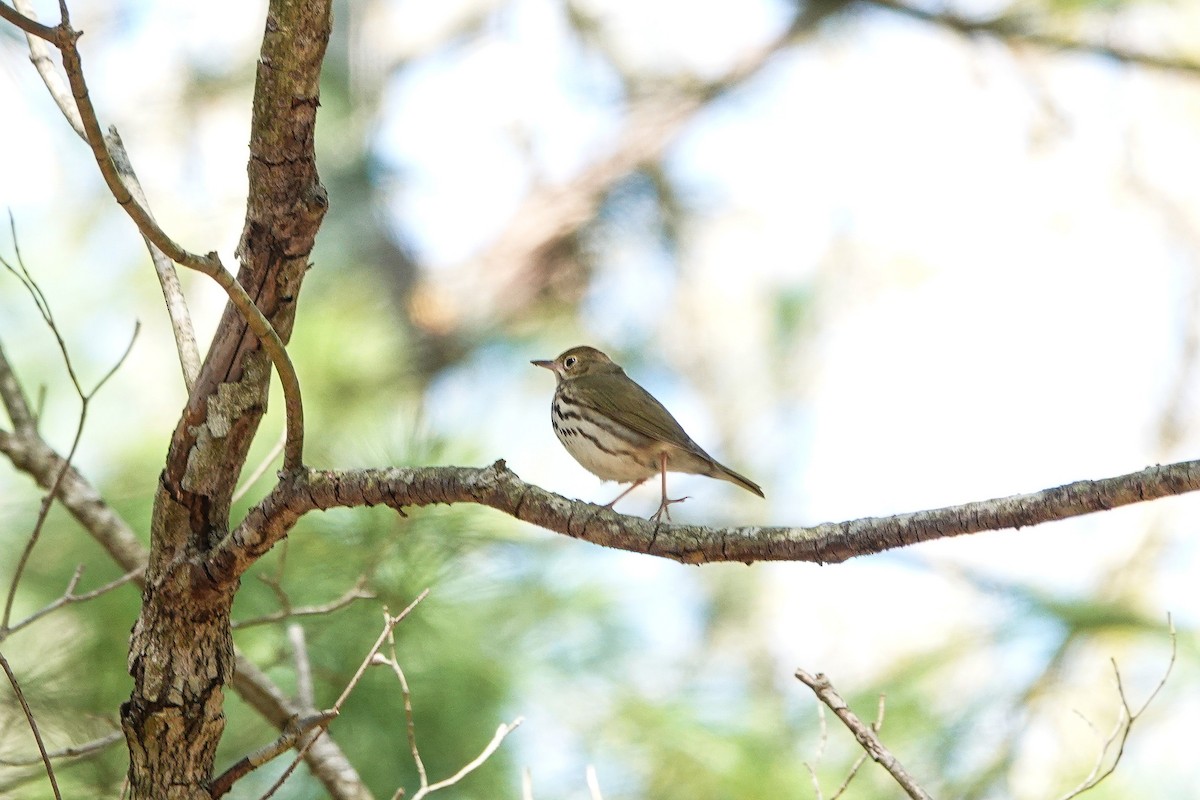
356 592
862 759
68 597
64 37
822 740
474 764
390 623
262 467
865 734
164 268
74 751
37 736
409 723
1010 28
181 321
304 681
39 54
425 787
296 728
27 23
85 398
1126 716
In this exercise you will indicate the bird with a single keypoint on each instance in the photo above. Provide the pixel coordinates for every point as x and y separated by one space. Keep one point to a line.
619 432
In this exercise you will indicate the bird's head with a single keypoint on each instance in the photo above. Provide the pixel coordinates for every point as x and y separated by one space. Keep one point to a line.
577 362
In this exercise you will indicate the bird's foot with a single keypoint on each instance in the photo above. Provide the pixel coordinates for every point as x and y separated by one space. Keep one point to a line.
664 509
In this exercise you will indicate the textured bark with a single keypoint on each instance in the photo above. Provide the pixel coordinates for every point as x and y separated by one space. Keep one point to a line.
181 655
830 542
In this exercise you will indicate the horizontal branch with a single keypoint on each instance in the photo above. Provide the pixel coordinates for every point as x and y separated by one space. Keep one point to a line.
498 487
1010 27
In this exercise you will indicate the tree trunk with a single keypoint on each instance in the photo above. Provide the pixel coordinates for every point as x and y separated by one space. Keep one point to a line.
181 654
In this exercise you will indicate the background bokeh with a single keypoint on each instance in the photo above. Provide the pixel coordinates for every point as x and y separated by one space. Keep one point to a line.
877 265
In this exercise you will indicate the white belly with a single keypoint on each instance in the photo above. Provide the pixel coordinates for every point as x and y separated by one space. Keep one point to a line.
604 454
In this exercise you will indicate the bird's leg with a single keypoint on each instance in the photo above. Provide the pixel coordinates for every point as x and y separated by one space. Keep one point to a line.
632 486
664 506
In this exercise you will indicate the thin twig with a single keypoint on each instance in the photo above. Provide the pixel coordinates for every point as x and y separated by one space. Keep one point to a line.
74 751
862 758
356 592
425 787
822 740
85 398
164 268
1126 716
68 597
65 38
390 623
409 723
526 784
28 23
474 764
39 54
304 681
37 736
262 467
292 732
866 736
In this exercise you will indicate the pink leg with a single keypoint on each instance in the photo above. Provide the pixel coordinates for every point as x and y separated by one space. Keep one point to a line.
663 506
632 486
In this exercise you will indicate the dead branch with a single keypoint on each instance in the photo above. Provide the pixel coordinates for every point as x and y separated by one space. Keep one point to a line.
866 735
355 592
1126 717
68 597
85 399
293 731
390 623
74 751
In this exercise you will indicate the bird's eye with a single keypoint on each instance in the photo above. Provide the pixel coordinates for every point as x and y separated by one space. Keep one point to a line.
569 361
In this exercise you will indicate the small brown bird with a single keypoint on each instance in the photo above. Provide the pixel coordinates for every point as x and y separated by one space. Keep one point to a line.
619 432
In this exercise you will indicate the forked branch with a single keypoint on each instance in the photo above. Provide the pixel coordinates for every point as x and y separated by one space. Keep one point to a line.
867 735
64 37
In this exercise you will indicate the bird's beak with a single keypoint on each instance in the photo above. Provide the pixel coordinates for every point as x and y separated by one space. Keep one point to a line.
550 365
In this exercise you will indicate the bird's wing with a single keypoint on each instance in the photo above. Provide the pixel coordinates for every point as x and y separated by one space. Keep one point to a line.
653 421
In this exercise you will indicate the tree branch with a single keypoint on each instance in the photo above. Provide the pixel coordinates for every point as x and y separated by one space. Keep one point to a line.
389 622
498 487
30 454
290 737
1011 28
73 751
865 734
33 726
164 268
64 37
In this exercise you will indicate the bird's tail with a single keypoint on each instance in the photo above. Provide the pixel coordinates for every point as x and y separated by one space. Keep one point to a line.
726 474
